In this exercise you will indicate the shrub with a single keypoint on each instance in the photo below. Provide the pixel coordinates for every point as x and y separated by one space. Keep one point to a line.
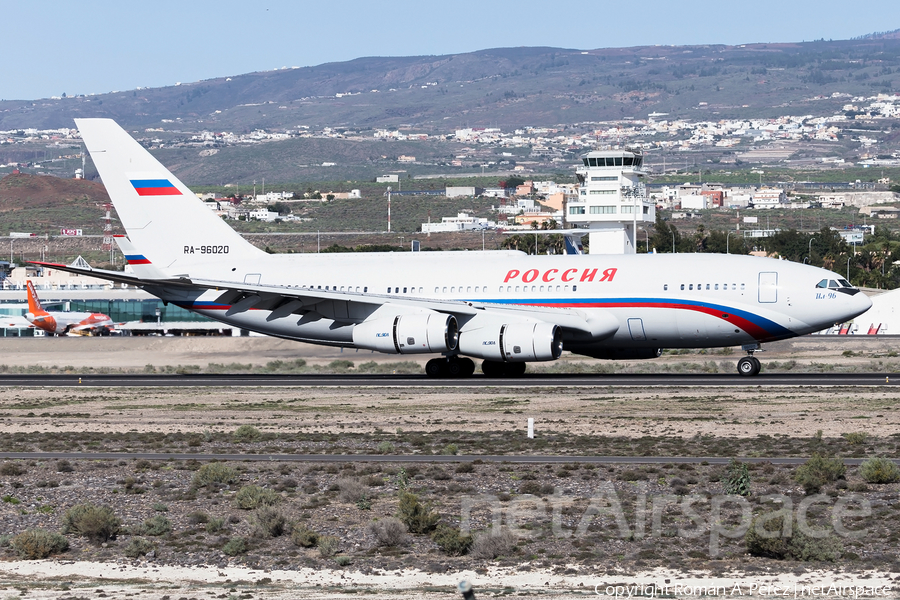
64 466
304 537
269 522
97 523
35 544
385 447
450 449
737 479
235 546
488 545
160 507
856 438
418 517
215 524
250 497
138 547
343 561
328 546
12 469
818 471
246 433
768 540
465 467
879 470
352 490
389 532
198 517
451 541
211 474
156 526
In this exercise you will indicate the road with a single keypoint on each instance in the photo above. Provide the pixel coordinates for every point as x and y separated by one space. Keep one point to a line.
413 381
409 458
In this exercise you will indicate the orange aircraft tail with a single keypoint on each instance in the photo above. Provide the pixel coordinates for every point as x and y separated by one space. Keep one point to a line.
34 303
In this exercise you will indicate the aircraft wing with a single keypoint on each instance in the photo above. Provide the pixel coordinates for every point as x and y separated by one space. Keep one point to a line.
285 300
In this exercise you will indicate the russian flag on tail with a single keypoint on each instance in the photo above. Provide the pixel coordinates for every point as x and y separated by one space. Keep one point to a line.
154 187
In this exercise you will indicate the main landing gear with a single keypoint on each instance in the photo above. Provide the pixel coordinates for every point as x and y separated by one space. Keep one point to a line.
450 367
501 369
749 366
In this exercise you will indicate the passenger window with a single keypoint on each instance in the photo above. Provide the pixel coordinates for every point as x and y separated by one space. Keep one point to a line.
404 290
717 286
445 289
707 286
742 287
682 286
365 289
574 288
468 289
691 286
733 286
517 288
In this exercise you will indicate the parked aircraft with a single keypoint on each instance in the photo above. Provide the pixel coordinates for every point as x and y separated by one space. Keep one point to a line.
62 323
504 307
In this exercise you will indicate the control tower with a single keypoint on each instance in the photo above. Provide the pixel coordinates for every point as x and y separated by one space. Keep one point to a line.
612 200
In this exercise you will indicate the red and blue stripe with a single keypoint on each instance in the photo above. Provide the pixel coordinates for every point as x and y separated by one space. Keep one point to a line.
155 187
136 259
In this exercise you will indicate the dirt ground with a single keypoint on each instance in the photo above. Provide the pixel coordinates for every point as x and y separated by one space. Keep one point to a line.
666 420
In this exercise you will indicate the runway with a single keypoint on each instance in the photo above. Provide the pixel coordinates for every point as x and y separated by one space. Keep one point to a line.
421 381
411 458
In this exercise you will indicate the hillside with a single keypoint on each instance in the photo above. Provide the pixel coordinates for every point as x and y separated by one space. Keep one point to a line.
505 87
43 204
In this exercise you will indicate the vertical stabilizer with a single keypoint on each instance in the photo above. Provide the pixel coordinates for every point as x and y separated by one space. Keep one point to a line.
34 303
163 218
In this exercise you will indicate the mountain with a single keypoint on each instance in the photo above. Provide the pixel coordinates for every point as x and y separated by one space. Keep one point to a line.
503 87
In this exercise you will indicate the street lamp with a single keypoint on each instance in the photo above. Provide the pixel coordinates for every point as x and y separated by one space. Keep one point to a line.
809 253
848 267
672 231
728 239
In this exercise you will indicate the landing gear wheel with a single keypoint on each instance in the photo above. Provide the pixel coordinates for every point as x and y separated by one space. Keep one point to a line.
515 369
468 367
436 367
748 366
492 369
454 368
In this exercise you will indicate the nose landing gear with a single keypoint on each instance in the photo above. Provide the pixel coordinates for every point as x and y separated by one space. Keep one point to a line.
749 366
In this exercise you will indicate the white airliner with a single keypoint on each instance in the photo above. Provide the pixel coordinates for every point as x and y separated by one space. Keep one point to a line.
506 308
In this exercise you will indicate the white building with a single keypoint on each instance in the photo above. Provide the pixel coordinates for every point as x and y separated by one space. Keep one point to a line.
393 178
263 214
769 198
461 222
612 200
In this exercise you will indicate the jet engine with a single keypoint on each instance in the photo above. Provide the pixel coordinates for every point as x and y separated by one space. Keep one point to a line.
512 342
416 333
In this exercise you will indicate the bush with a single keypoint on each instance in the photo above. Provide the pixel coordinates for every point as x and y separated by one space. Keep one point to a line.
246 433
389 532
451 541
343 561
304 537
12 469
64 466
418 517
198 517
212 474
737 479
250 497
328 546
138 547
856 438
352 490
215 524
156 526
269 522
818 471
490 546
768 540
97 523
35 544
235 546
879 470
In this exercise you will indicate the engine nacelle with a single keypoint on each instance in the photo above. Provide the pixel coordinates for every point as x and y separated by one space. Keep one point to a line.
418 333
513 342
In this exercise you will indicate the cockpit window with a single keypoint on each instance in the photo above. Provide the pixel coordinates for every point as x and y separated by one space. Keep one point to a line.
832 284
822 284
845 283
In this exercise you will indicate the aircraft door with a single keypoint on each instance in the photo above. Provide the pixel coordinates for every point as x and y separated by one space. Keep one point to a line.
636 328
768 287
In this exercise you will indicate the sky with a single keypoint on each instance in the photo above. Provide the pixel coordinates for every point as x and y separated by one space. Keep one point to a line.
53 47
